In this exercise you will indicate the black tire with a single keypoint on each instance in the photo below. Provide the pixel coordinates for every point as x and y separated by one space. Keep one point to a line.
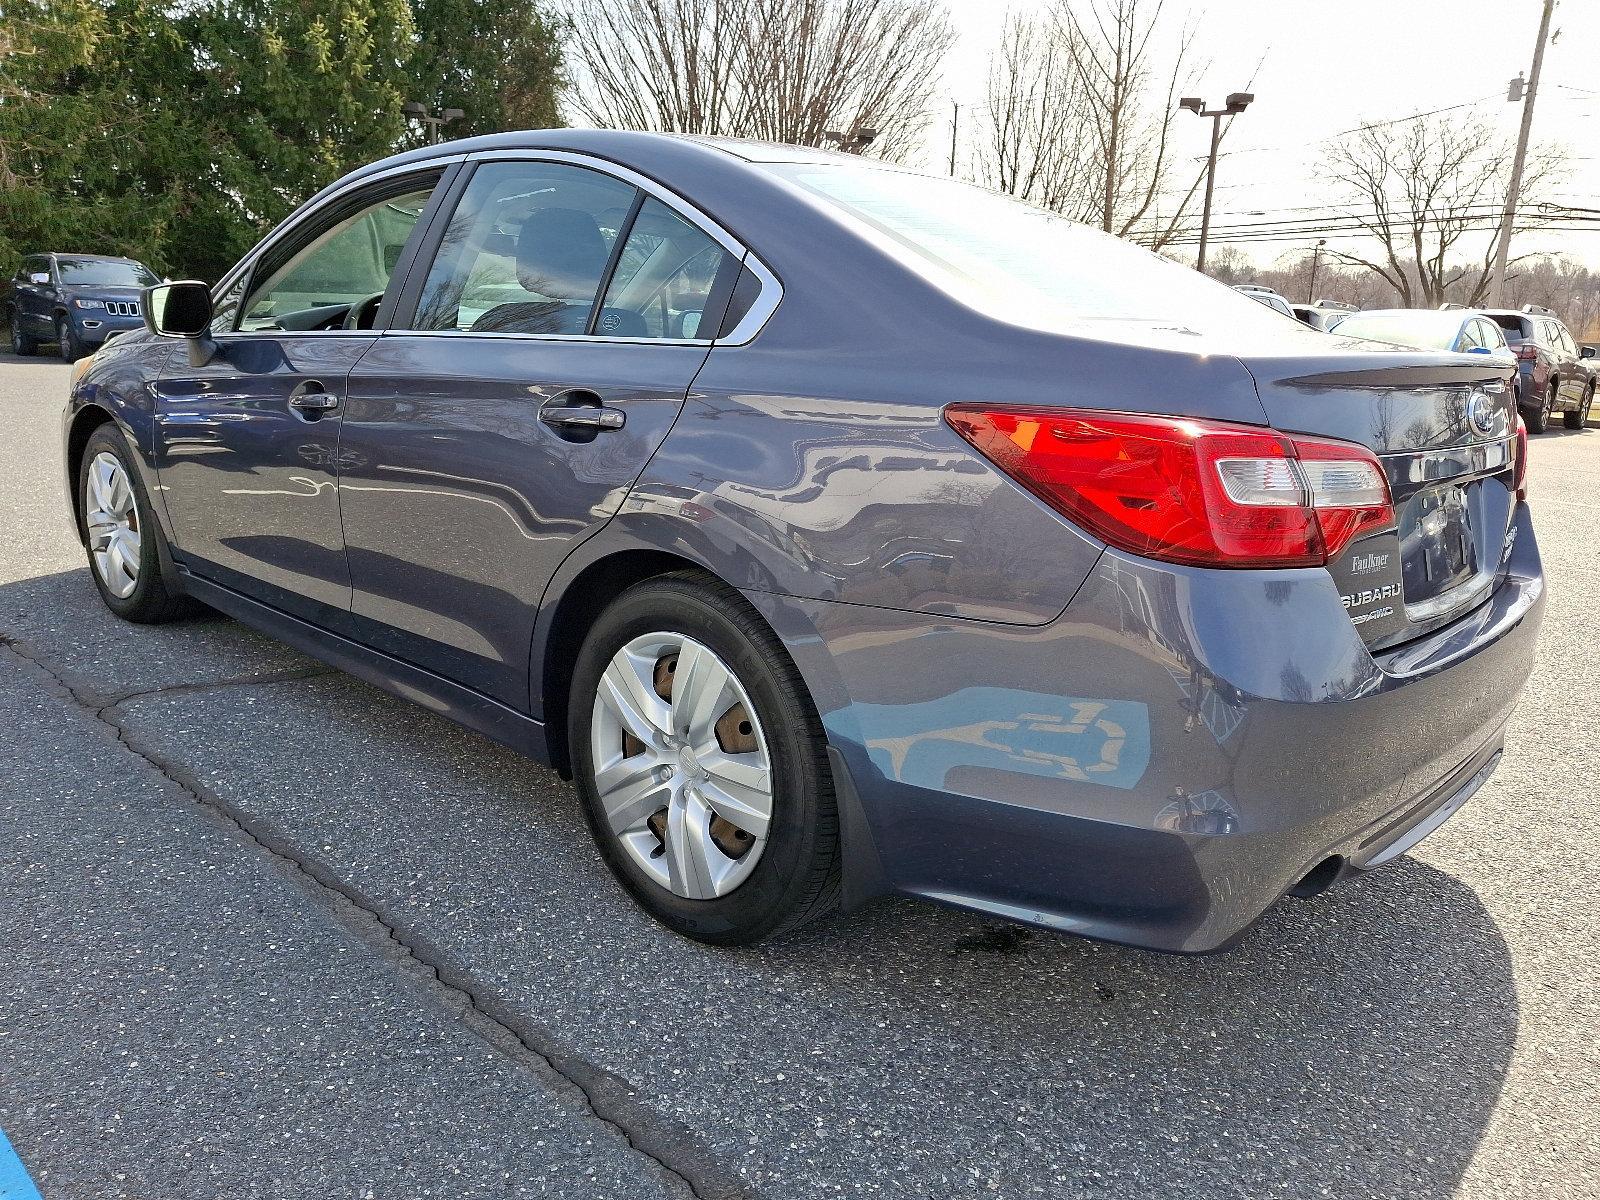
1539 418
22 344
67 343
1577 420
796 880
151 601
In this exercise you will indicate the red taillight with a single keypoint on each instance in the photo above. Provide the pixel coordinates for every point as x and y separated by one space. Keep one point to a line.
1185 490
1519 473
1526 352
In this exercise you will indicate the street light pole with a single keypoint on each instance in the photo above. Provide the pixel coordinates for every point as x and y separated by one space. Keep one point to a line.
1235 104
1508 215
1311 287
434 123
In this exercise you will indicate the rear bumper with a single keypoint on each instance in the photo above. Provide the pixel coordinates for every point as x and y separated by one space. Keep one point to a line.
1170 756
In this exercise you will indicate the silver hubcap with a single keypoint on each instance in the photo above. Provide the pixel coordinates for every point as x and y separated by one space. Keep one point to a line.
113 521
681 765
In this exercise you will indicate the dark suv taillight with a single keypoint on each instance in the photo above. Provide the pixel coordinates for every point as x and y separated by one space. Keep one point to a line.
1527 352
1184 490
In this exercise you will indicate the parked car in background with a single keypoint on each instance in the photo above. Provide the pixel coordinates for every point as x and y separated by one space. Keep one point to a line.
1553 375
75 301
1265 295
1462 331
1323 314
841 530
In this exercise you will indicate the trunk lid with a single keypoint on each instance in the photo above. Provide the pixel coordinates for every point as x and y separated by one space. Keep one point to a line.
1444 428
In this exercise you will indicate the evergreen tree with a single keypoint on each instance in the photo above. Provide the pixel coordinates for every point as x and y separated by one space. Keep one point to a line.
499 61
179 131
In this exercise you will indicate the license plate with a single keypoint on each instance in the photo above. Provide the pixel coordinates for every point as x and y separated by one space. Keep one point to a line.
1371 585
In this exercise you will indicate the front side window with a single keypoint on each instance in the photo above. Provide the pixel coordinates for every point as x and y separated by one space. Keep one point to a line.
665 277
526 250
337 279
93 272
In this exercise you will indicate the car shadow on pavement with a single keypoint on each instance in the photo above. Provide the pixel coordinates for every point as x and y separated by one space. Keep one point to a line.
1353 1044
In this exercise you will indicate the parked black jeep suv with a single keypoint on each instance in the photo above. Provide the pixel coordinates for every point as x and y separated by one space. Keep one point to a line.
75 301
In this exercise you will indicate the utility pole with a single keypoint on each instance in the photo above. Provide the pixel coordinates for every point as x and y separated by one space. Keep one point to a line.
1235 104
955 123
1508 215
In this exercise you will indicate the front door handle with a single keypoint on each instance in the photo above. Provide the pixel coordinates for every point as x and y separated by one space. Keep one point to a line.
311 400
579 416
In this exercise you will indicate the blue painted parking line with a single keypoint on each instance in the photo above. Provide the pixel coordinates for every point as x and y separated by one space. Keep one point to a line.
14 1181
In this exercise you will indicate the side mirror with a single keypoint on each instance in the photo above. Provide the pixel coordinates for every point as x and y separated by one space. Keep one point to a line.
1587 352
40 277
181 310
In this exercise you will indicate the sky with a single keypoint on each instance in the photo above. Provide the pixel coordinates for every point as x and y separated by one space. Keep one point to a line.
1324 66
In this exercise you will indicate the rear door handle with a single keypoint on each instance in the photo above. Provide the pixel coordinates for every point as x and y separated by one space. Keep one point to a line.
580 415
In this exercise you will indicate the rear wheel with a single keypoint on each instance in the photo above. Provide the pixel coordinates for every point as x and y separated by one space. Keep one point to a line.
1577 420
21 343
1539 419
700 760
120 534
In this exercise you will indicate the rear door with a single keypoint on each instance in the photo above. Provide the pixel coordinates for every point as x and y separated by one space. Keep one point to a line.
249 441
1445 432
543 349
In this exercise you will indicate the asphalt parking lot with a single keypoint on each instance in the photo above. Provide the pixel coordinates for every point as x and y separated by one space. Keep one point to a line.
268 932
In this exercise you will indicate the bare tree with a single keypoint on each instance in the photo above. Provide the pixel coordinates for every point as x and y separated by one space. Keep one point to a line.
783 70
1080 113
1030 142
1131 97
659 64
1417 188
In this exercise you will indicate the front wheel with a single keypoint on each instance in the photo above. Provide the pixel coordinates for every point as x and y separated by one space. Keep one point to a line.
121 534
1577 420
21 343
701 764
67 341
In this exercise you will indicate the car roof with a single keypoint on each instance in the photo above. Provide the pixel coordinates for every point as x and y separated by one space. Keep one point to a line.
93 257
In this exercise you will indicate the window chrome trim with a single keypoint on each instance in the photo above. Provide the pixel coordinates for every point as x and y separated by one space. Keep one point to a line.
766 302
703 343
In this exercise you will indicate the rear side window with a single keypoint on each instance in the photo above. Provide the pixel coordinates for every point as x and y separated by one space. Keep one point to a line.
526 250
669 274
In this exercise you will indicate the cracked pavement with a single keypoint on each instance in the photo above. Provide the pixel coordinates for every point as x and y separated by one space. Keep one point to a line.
269 932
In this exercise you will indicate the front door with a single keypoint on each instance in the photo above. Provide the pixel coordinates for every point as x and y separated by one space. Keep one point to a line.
546 353
35 298
248 444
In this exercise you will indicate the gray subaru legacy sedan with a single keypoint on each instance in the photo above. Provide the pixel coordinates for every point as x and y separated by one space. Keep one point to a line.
838 530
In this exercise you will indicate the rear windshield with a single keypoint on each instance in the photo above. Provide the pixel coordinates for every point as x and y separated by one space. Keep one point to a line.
1423 330
1023 263
1512 325
91 272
